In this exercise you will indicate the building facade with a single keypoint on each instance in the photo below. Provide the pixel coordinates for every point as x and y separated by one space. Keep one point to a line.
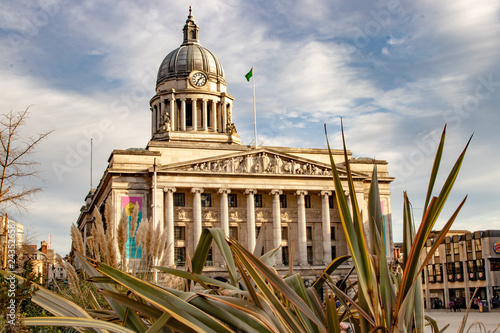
463 262
195 173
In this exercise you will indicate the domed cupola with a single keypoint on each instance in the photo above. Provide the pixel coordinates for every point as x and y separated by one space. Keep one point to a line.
191 101
190 56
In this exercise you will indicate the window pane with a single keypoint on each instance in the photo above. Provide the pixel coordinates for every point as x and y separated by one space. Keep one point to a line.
285 255
179 200
189 114
206 200
331 200
179 233
310 255
233 232
284 233
258 200
209 261
231 200
334 252
309 233
332 233
283 201
180 256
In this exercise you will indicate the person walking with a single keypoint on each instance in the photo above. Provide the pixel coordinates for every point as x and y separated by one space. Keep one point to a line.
452 306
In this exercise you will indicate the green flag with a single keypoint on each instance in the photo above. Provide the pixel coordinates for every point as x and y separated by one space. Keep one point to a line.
249 75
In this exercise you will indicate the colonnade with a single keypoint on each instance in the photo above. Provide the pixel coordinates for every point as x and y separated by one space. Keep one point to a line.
250 220
215 114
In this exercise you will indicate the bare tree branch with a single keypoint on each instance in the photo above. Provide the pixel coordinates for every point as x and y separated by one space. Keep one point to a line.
15 163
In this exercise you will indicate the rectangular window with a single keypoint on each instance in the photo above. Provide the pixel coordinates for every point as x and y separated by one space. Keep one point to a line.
179 200
438 269
285 255
309 233
448 249
480 269
180 256
209 261
307 200
469 246
284 233
189 114
334 252
232 200
233 232
283 201
450 270
331 201
310 255
495 265
179 233
430 269
206 200
459 273
478 248
258 200
332 233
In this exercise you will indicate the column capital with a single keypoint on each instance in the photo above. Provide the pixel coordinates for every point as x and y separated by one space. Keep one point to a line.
276 192
327 193
182 99
301 192
169 189
197 190
224 190
250 191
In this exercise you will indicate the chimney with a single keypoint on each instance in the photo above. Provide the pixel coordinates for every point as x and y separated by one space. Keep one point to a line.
44 247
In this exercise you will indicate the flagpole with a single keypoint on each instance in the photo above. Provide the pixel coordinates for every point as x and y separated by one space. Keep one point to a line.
254 112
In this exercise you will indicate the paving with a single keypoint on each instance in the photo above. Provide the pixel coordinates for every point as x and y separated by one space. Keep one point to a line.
476 321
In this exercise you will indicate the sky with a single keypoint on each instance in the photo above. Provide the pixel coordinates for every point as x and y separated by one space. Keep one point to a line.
395 71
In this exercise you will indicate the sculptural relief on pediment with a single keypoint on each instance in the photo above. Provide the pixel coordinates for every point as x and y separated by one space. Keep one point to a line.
260 163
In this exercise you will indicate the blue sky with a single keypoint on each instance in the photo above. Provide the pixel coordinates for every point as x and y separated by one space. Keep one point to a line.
396 71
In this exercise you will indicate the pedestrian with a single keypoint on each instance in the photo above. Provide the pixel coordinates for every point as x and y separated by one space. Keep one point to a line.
452 306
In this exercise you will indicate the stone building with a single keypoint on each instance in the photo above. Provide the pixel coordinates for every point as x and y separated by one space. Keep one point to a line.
463 262
195 173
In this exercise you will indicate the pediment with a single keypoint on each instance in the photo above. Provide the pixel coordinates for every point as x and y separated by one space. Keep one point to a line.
259 161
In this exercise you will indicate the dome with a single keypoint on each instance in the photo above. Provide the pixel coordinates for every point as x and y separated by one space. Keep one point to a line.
190 56
187 58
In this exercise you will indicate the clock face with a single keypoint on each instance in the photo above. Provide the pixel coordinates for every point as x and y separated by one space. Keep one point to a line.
199 79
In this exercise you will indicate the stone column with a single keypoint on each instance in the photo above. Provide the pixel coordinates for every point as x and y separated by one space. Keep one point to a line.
214 115
162 111
251 219
205 115
224 117
152 121
173 120
169 223
194 111
183 114
197 226
224 210
325 223
302 227
277 226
